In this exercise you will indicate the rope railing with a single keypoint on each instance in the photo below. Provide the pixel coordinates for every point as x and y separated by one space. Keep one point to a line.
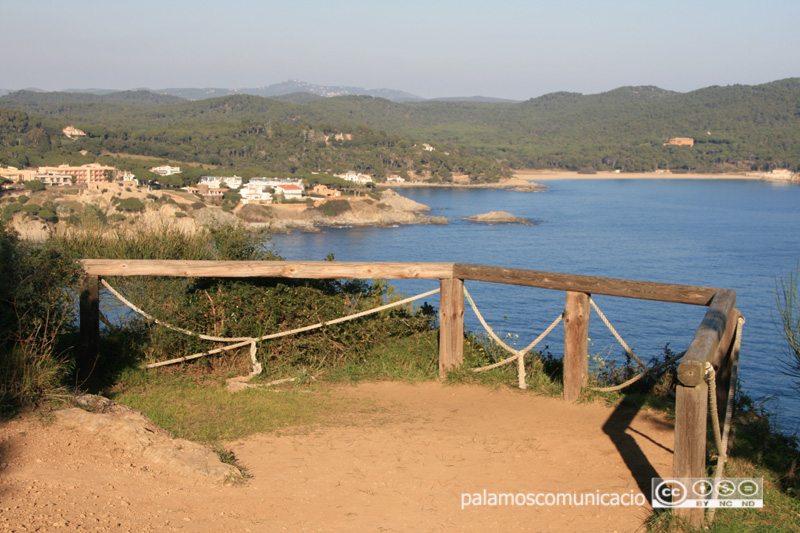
239 342
519 355
721 437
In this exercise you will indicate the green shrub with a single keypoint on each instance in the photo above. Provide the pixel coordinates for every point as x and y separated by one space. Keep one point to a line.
36 314
334 208
241 307
34 185
130 204
48 215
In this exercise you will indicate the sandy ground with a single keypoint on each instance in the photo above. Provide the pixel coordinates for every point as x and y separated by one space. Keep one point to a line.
544 175
406 466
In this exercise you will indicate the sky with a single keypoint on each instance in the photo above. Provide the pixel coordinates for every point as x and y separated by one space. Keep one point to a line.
515 49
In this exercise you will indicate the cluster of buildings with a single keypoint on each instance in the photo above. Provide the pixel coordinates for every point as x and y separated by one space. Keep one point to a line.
256 190
63 174
261 190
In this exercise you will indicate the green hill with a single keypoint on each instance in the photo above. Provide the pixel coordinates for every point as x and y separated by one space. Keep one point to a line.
735 128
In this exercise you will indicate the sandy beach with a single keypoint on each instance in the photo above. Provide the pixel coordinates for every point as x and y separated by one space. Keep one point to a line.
551 175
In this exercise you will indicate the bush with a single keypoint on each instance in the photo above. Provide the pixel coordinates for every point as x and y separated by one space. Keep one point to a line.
48 215
239 307
33 209
10 210
36 314
93 216
334 208
34 186
130 204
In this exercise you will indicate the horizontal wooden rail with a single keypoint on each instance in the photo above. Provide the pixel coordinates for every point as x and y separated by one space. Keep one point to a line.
640 290
270 269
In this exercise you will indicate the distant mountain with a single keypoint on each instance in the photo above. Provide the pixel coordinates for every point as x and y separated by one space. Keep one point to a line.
287 91
93 91
293 87
481 99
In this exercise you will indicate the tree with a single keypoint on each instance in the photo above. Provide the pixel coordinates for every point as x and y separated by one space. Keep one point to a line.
34 185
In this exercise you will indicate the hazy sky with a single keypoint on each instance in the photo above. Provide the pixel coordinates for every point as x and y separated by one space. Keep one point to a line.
502 48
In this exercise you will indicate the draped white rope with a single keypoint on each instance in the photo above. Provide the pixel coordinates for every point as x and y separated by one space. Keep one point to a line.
238 342
518 355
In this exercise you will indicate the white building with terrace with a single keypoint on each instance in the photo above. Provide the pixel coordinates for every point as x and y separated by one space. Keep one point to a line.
255 194
215 182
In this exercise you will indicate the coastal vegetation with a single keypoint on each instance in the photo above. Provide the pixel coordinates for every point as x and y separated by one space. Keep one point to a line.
735 128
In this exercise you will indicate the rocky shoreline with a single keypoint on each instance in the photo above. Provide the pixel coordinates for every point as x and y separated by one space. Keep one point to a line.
390 210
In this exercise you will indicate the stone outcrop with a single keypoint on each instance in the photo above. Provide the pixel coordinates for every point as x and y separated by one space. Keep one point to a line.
499 217
390 209
135 433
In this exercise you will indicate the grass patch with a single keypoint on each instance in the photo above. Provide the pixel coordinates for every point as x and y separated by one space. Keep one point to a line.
413 358
200 409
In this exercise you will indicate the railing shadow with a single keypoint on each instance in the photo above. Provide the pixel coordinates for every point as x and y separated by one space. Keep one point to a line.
617 427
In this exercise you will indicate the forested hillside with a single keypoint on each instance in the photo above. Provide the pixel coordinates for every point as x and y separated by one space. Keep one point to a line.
734 128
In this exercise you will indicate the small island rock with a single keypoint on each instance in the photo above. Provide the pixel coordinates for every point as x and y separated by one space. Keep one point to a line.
499 217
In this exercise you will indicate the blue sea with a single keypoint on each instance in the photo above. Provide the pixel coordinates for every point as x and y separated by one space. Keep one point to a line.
734 234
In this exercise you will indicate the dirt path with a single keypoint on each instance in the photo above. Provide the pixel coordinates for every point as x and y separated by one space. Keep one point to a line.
406 466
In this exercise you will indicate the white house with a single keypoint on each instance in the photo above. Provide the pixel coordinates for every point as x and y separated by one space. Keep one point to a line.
356 177
289 192
166 170
274 182
255 194
215 182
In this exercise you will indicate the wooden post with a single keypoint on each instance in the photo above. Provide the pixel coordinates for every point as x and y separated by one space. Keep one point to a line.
451 325
89 327
576 344
691 410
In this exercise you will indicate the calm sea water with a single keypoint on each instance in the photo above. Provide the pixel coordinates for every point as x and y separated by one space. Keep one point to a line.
736 234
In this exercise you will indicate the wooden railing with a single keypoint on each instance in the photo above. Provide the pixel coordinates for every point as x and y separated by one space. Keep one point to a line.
713 341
